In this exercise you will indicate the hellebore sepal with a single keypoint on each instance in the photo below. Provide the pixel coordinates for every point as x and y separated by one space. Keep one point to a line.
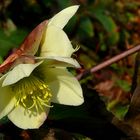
36 74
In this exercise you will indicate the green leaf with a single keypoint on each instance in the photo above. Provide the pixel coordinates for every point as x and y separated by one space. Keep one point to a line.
103 47
109 25
103 3
124 85
1 60
64 3
118 110
13 40
86 28
121 111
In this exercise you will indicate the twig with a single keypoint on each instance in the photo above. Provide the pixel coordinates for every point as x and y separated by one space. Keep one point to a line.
109 62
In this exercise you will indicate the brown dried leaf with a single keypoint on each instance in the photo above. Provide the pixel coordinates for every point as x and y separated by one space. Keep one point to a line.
104 86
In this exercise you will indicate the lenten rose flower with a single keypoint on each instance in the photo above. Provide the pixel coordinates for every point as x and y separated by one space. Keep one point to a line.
36 74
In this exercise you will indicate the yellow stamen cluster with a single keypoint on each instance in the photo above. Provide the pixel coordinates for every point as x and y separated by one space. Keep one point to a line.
32 93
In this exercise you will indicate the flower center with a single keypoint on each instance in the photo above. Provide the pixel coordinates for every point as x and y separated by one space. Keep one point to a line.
32 93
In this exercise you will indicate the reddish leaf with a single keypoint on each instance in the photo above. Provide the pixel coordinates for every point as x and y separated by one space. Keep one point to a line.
28 47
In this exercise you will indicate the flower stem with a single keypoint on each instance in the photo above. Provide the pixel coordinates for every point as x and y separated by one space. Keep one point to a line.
109 62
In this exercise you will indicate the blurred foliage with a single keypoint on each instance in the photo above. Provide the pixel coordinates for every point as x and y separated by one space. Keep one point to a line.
102 29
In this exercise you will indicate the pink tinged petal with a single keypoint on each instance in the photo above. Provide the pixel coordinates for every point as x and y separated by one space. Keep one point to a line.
7 100
32 41
56 43
61 19
26 120
65 87
56 61
18 72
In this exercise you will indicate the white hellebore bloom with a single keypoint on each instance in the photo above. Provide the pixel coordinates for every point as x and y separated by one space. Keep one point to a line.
39 76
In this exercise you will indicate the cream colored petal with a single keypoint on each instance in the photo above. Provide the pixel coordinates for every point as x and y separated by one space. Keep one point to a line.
7 100
26 120
65 87
56 43
56 61
18 72
61 19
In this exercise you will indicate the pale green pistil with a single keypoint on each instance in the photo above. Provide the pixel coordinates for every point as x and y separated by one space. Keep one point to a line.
32 93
